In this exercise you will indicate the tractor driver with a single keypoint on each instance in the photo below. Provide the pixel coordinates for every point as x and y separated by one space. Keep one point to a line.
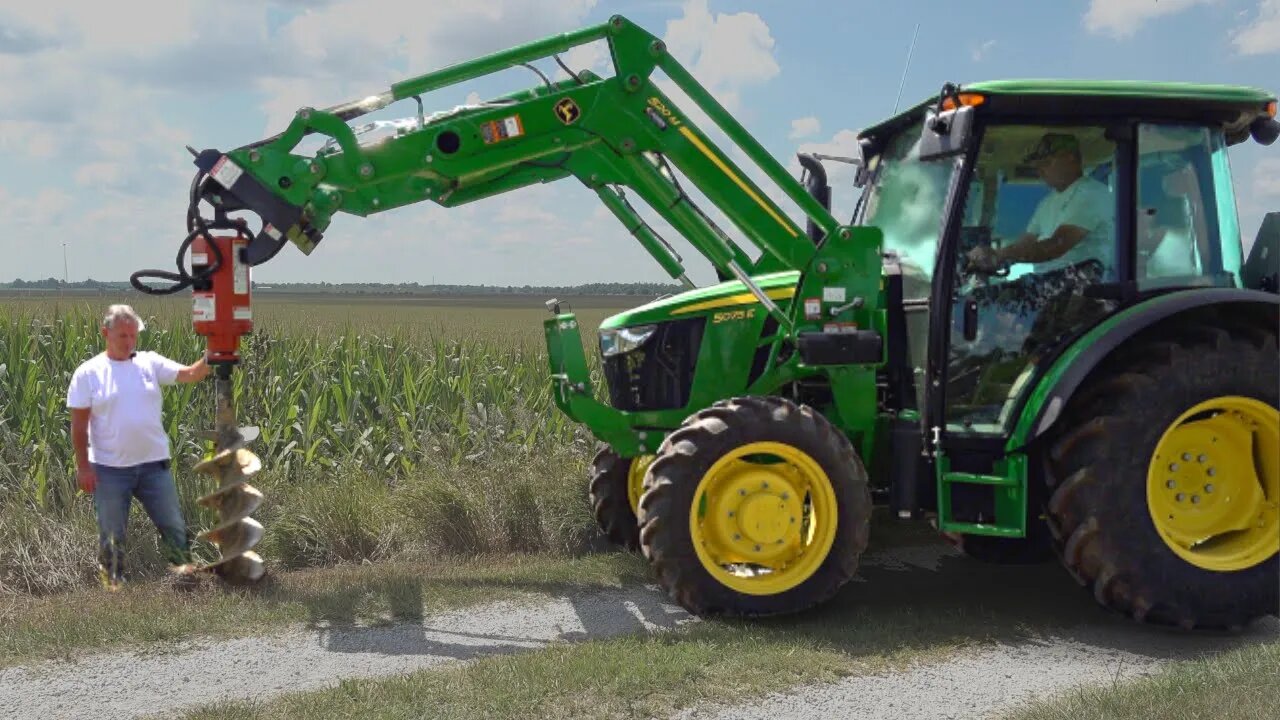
1074 223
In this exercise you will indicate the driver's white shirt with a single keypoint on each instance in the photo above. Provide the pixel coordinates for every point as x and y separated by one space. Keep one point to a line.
1086 203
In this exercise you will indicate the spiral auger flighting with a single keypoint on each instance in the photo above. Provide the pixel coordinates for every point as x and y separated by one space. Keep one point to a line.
234 499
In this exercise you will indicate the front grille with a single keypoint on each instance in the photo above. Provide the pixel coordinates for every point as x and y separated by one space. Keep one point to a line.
658 374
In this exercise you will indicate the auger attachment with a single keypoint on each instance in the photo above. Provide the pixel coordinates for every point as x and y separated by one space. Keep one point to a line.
235 499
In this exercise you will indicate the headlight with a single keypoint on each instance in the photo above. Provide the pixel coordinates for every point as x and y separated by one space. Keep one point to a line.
622 340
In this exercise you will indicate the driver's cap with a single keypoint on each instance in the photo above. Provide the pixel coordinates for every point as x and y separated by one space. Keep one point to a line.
1051 144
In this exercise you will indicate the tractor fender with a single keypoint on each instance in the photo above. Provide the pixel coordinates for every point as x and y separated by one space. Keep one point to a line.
1046 401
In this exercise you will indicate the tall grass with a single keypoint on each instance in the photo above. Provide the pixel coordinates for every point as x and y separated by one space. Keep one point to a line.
376 440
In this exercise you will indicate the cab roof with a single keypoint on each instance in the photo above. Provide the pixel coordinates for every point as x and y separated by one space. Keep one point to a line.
1232 105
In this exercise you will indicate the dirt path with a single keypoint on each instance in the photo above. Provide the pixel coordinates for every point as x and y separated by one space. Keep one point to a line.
1095 649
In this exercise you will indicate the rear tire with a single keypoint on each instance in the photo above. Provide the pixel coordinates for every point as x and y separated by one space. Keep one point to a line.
711 505
1102 505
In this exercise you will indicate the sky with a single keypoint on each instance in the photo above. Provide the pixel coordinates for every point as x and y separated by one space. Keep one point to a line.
98 102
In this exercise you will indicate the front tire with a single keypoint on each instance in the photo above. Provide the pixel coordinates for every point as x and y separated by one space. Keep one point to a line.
1175 442
614 494
755 506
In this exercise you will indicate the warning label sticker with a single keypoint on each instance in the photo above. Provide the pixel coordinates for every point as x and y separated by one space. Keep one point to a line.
499 130
240 272
840 328
226 172
202 309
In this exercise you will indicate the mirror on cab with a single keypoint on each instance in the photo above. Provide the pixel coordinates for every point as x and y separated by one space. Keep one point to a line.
948 126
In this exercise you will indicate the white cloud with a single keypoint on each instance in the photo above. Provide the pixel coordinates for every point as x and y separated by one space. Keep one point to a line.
526 211
1261 36
804 127
35 140
1122 18
1266 179
725 52
353 48
980 52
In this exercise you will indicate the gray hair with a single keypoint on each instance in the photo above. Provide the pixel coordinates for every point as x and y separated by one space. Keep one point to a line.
116 313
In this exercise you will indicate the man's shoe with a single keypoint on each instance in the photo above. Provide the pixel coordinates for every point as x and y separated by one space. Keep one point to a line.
109 582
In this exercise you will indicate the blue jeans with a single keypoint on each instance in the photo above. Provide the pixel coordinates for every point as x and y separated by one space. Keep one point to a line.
152 483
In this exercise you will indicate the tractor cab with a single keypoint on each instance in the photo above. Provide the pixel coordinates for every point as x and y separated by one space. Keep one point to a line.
1019 216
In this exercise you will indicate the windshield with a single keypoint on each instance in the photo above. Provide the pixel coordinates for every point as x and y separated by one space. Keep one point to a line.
905 201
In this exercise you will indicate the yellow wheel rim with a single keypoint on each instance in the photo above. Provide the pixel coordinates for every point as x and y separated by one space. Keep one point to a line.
764 518
1213 485
635 480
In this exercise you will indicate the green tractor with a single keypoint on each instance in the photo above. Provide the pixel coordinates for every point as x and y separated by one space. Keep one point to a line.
1040 330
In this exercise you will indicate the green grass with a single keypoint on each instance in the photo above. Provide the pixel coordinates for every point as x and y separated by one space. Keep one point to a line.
625 678
73 623
1240 684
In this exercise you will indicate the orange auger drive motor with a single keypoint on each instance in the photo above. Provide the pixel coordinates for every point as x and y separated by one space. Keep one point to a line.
220 308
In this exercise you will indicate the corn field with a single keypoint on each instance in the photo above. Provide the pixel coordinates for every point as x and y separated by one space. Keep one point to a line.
369 427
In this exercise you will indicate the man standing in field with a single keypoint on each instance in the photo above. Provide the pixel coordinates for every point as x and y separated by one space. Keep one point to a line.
121 447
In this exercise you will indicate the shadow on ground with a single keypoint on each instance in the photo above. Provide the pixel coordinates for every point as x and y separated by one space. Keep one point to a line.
912 593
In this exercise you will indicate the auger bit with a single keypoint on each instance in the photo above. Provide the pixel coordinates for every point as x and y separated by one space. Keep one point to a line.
234 499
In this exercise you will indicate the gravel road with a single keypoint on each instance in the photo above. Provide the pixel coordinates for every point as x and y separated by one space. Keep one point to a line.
131 685
108 686
981 685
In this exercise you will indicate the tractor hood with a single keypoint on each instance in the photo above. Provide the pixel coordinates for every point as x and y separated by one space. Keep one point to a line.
780 287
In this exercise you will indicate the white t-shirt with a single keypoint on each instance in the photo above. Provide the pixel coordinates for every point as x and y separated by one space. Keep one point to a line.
1086 203
125 426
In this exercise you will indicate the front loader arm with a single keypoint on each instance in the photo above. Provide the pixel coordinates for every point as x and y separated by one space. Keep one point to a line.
609 133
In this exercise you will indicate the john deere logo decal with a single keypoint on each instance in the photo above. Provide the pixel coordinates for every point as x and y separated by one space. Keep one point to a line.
567 110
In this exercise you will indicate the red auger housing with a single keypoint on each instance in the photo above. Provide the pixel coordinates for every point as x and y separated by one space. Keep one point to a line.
220 306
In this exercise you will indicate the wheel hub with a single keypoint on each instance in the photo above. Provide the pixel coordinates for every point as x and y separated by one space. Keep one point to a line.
1213 484
756 533
765 519
635 480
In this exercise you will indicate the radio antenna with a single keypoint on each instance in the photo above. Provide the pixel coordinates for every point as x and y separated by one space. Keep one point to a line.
910 52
